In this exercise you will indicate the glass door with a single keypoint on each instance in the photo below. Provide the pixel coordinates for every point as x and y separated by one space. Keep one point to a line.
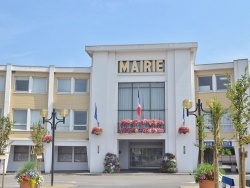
145 157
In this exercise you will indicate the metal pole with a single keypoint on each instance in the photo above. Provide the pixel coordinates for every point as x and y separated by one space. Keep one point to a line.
53 144
198 105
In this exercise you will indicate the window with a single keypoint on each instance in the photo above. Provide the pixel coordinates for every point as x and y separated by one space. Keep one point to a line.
64 154
22 84
39 85
1 84
21 153
20 119
31 84
205 83
222 82
81 85
80 120
35 118
226 123
64 85
80 154
213 83
152 100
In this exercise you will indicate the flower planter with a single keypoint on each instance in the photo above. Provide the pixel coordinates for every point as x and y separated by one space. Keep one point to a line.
28 184
97 130
47 138
183 129
206 184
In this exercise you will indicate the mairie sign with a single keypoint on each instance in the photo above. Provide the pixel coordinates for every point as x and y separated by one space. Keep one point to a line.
138 66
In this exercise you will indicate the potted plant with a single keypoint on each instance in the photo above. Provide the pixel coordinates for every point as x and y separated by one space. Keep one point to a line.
97 130
204 175
28 176
183 129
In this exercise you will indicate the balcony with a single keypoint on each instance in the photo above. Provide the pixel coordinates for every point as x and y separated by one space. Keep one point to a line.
141 126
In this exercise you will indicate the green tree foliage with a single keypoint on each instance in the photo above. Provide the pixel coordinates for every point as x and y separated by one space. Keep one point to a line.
215 116
37 136
5 130
240 114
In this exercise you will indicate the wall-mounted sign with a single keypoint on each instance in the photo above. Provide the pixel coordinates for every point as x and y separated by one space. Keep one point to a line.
224 143
138 66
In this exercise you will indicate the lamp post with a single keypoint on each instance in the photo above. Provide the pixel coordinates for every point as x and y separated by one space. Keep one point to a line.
187 104
44 113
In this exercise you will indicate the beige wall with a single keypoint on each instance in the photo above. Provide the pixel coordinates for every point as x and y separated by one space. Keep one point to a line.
72 102
28 100
221 96
40 101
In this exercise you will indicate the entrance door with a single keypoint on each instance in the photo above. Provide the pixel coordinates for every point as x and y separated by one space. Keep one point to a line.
145 155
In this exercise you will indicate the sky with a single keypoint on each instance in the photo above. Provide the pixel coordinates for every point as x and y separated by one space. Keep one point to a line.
55 32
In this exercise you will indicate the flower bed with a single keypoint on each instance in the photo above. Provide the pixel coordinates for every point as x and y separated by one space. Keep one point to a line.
141 126
111 163
183 129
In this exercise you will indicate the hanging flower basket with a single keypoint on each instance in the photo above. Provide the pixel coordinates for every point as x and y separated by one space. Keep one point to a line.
97 130
47 138
183 129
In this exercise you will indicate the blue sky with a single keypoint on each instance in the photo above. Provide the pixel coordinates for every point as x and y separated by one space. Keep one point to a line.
55 32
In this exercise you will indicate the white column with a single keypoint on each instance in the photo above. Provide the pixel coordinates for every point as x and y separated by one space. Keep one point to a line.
48 147
6 110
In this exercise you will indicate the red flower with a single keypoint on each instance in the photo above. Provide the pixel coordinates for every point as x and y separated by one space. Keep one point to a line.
24 177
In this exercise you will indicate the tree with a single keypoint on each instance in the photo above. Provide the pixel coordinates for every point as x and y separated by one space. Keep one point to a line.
201 137
37 135
215 116
240 114
5 130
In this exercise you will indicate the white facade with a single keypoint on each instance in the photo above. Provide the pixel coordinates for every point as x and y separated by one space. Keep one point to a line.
178 76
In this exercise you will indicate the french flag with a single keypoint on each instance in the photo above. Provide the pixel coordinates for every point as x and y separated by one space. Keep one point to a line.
139 105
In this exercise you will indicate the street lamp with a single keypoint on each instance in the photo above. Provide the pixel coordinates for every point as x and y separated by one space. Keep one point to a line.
187 104
44 113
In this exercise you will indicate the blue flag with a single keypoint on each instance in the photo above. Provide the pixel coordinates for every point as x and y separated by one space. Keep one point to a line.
95 116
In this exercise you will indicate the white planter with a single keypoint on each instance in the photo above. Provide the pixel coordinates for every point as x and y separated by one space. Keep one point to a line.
3 157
